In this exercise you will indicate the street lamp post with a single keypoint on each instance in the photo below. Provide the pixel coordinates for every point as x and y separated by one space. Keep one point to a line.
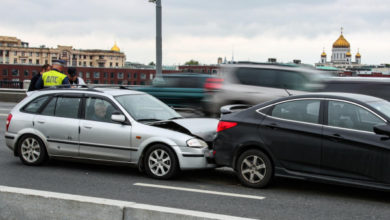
159 77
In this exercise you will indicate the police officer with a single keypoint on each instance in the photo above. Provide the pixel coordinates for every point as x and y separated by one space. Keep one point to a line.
54 77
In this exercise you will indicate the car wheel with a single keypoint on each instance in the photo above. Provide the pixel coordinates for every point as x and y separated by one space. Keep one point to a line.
254 169
160 162
31 150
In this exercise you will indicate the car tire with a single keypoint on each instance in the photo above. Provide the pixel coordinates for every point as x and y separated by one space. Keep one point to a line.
161 162
254 169
31 150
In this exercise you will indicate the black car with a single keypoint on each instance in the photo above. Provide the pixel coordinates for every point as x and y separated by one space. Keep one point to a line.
330 137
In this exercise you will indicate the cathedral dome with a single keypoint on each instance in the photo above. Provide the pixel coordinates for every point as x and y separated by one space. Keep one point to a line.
348 54
358 55
341 42
323 54
115 48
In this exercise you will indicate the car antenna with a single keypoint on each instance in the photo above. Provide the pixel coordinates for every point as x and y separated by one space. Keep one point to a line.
285 89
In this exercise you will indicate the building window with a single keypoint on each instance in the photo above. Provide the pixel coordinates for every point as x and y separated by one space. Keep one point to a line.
96 75
90 57
23 61
87 74
31 54
120 82
37 61
79 63
30 61
85 56
15 60
120 76
143 75
5 72
15 72
128 75
25 72
101 57
90 63
37 54
112 75
23 54
135 76
116 64
105 75
81 74
110 64
84 63
15 53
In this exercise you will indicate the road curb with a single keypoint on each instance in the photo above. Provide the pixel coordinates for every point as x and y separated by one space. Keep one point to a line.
20 203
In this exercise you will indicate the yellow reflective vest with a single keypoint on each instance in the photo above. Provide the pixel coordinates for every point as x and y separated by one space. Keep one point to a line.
52 78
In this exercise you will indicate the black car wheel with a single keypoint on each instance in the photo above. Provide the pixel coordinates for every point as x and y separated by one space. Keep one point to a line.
160 162
254 169
31 150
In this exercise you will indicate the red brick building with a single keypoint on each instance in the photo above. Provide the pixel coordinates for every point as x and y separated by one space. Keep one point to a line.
94 75
209 69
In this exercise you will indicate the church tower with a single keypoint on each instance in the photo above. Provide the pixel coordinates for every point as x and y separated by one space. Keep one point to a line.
340 49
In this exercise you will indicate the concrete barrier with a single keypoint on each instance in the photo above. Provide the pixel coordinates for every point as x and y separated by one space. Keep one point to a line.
19 203
12 95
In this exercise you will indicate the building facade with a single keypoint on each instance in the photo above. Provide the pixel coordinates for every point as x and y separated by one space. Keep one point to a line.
341 55
14 51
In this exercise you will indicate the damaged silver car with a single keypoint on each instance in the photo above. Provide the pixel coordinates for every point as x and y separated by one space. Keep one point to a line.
109 125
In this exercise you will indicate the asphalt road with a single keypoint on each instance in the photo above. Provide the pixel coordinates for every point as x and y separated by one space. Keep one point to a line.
285 199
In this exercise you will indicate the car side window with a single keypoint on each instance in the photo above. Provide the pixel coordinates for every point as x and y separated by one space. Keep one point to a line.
97 109
257 77
298 110
67 107
50 107
347 115
36 104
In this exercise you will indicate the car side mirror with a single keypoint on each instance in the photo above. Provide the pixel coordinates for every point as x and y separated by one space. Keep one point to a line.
382 129
118 117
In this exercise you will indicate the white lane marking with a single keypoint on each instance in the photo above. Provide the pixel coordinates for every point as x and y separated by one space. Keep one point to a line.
3 115
119 203
200 191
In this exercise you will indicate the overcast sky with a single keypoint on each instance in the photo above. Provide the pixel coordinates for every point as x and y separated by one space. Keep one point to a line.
205 29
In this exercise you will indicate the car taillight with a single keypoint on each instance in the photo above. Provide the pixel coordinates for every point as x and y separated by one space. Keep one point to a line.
223 125
8 122
213 84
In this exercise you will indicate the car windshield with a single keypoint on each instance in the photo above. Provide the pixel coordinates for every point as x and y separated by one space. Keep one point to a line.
146 108
382 106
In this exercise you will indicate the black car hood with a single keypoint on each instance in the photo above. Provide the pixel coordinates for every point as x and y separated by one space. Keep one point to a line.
204 128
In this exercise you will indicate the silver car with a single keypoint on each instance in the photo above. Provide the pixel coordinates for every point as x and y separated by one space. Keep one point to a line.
254 83
109 125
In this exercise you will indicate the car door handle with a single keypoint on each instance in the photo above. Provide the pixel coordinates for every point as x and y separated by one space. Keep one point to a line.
336 137
87 127
272 125
41 122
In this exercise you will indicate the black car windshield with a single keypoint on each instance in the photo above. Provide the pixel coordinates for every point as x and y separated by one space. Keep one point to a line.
382 106
146 108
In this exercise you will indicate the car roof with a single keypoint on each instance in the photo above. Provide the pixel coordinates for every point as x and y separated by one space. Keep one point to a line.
359 79
102 90
339 95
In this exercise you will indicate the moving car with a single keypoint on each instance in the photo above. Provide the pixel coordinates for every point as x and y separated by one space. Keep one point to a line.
331 137
253 83
108 125
373 86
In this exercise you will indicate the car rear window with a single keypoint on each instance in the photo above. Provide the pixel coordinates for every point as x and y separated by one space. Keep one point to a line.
35 105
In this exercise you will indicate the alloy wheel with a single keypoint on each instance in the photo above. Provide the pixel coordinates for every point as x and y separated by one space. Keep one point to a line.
159 162
30 150
253 169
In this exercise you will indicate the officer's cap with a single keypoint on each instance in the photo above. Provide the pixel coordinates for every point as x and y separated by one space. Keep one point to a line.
58 62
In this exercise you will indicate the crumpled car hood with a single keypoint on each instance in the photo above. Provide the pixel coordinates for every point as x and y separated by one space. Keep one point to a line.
205 128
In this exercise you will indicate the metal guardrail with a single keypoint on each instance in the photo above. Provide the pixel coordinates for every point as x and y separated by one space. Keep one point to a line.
11 84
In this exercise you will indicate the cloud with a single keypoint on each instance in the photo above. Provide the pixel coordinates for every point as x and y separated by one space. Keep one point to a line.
203 29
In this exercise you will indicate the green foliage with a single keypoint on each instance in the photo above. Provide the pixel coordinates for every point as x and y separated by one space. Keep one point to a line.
192 63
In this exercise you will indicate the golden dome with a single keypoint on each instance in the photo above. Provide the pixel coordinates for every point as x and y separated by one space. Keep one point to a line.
115 48
323 54
348 54
358 55
341 42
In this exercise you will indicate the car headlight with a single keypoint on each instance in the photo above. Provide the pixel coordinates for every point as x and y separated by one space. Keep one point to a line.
196 143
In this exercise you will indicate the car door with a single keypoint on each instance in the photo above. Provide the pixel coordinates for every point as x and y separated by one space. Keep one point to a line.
351 149
100 137
292 131
59 122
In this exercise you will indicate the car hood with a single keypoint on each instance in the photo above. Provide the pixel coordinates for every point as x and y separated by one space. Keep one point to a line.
204 128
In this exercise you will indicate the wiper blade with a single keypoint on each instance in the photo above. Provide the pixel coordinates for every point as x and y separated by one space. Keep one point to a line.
149 119
175 118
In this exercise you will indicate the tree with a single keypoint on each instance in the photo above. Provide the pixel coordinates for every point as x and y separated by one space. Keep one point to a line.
192 63
152 64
